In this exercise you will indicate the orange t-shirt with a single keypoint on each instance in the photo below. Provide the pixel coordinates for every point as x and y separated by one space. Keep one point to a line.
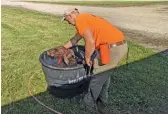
103 31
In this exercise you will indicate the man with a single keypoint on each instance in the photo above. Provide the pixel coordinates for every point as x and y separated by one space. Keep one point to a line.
101 35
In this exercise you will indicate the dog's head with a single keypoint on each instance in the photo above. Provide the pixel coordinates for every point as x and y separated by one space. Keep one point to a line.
58 51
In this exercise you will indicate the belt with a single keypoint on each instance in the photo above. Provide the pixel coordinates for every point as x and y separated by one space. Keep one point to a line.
117 44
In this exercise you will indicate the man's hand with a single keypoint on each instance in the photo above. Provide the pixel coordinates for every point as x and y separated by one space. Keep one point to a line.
88 61
68 45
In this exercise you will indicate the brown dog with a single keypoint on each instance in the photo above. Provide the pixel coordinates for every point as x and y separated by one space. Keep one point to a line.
66 57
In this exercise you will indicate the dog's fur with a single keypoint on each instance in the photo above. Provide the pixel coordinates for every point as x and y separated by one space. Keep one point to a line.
67 56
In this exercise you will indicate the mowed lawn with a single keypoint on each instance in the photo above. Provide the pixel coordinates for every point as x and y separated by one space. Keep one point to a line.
140 88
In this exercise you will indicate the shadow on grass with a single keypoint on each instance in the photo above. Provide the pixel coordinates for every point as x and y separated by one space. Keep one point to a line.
139 88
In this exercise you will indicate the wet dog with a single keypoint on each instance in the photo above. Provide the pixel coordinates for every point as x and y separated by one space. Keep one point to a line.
65 57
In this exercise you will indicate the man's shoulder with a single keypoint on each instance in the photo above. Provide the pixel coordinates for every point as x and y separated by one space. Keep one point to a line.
84 15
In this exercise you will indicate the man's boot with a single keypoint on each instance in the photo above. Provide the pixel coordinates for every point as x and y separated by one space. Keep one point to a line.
89 109
102 108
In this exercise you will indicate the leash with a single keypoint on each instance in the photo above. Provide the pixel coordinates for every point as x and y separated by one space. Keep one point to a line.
38 101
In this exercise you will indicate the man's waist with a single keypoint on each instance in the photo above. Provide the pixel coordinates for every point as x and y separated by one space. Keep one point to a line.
112 45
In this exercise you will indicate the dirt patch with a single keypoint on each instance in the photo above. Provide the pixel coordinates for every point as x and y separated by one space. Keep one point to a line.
163 10
155 41
165 52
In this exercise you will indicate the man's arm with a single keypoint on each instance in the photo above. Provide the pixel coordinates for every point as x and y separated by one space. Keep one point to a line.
89 45
72 41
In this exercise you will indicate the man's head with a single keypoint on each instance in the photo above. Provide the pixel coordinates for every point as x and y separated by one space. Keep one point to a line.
70 15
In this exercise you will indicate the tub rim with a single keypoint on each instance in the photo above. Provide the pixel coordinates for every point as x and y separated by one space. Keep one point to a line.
79 66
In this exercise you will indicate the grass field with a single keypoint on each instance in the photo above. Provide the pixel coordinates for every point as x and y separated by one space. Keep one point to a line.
102 3
140 88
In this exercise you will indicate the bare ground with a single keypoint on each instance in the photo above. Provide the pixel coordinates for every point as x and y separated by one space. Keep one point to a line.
147 25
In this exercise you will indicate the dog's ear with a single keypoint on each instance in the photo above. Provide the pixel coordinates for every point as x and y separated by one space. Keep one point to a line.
66 60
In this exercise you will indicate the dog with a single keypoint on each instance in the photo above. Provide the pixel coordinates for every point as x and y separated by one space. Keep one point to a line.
65 57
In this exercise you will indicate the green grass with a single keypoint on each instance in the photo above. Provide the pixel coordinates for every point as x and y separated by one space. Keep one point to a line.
104 3
140 88
24 36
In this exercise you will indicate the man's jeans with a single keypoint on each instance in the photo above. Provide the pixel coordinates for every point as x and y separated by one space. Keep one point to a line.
100 82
